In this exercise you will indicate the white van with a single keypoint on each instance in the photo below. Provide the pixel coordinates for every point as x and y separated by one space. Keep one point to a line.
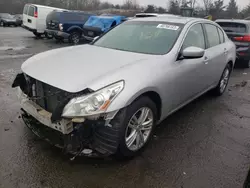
34 17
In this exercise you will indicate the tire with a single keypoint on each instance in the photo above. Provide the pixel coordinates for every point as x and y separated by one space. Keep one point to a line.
221 88
245 64
2 24
38 35
75 37
48 36
122 121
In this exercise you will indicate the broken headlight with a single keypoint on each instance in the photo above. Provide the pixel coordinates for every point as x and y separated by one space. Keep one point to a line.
95 103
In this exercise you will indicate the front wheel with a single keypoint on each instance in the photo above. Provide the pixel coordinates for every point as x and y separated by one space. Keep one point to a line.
221 87
48 36
75 37
137 127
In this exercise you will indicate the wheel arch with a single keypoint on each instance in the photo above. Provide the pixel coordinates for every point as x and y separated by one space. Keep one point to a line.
74 28
153 95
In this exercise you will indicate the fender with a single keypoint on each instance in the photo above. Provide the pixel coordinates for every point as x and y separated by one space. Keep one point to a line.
74 27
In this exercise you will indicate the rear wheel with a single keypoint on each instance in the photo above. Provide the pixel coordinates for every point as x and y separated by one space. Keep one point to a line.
1 23
38 35
75 37
136 127
221 87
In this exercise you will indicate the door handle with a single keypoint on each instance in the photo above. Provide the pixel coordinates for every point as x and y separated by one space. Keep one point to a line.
225 51
206 60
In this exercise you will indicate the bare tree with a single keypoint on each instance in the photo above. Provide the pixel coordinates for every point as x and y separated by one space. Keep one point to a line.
207 5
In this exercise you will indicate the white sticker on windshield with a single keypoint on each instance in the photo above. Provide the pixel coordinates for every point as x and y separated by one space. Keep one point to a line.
166 26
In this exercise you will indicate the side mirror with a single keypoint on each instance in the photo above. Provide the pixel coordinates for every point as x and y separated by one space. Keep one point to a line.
192 52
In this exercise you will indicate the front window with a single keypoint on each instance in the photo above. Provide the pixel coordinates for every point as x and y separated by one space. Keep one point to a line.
195 37
142 37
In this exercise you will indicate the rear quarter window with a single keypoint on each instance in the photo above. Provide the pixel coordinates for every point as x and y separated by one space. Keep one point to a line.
233 27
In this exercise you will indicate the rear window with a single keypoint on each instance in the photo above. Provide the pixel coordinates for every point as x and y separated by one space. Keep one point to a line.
31 11
231 27
53 16
25 9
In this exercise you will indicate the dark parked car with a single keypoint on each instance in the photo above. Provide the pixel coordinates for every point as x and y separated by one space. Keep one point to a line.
239 32
66 25
7 20
97 25
19 19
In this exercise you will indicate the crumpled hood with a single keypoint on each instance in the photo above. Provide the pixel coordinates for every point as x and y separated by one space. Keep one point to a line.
73 68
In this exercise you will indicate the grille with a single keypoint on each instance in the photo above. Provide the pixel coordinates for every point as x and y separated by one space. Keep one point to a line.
52 25
44 95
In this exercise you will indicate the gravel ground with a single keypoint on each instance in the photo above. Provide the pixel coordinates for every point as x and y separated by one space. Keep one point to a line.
204 145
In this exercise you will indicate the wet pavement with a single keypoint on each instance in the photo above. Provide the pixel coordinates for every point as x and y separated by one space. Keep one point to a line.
204 145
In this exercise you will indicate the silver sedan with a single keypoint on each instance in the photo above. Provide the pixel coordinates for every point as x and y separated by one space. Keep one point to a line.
107 97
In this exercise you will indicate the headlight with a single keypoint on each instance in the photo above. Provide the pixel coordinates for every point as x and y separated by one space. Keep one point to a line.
61 27
95 103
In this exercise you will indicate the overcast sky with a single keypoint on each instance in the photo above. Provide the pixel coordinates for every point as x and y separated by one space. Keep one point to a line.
163 3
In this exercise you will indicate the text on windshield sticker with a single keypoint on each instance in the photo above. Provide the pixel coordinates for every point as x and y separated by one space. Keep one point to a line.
166 26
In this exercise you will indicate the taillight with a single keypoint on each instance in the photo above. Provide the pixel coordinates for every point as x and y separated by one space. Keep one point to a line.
245 38
36 13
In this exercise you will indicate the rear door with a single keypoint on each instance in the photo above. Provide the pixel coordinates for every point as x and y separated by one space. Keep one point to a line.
238 33
215 54
30 16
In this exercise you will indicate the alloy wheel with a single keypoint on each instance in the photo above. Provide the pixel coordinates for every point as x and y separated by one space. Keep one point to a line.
224 80
75 38
139 129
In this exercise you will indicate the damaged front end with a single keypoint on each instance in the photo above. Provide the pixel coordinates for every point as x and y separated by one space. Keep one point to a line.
42 107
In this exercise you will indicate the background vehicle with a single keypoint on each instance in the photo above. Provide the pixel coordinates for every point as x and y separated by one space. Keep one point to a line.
97 25
239 32
131 78
144 15
66 25
7 20
34 18
19 19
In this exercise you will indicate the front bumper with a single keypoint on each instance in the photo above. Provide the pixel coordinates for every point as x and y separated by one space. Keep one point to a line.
56 33
71 136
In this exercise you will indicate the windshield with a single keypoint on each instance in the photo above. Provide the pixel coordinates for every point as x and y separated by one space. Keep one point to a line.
142 37
8 16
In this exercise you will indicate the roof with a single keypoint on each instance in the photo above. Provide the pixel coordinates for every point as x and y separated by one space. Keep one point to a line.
43 6
233 20
175 19
153 14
